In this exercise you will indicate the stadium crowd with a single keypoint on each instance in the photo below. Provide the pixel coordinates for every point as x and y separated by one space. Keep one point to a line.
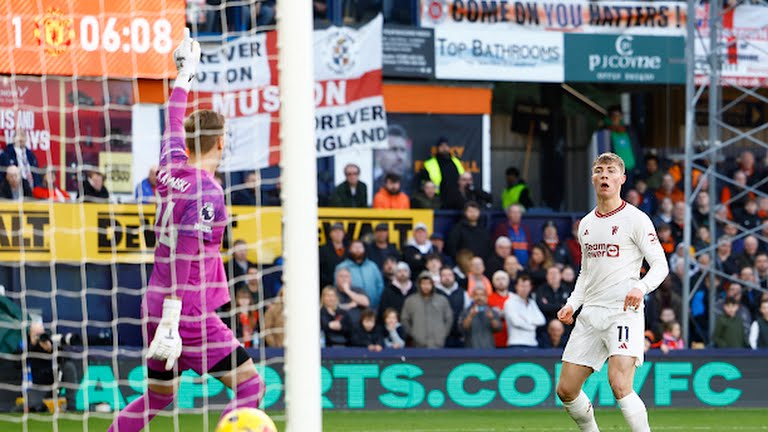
479 286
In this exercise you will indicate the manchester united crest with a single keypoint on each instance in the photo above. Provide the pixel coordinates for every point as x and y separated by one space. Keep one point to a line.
54 31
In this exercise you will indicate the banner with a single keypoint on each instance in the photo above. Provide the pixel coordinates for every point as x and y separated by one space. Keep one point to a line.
91 38
32 106
562 16
744 45
408 52
124 233
492 54
456 379
240 80
413 139
624 59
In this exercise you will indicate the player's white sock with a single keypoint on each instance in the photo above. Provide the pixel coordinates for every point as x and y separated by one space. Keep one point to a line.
580 410
633 409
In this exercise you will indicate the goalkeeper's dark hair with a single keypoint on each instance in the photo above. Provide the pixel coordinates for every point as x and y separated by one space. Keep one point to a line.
203 128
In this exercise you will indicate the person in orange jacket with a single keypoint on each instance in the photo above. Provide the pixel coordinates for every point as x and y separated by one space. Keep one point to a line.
390 196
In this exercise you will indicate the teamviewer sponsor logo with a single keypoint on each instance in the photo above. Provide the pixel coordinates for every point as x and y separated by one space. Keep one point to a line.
600 250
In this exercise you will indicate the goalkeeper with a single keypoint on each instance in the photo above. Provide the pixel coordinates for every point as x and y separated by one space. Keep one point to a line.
188 282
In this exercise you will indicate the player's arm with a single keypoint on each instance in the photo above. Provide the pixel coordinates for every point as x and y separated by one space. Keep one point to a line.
576 299
646 240
186 56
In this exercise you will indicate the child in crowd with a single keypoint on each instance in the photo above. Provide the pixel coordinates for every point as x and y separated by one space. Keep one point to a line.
246 318
672 338
368 334
394 334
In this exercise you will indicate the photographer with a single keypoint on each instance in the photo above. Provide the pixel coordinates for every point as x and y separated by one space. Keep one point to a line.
479 321
44 375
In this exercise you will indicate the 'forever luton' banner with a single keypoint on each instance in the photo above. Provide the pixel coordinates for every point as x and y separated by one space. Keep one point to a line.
240 80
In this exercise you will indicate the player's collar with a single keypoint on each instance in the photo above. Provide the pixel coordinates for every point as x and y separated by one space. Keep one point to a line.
612 212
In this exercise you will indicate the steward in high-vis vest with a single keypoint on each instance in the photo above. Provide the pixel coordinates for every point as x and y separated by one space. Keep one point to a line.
517 191
443 170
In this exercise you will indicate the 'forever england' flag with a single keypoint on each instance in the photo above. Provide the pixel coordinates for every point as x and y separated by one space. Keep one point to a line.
240 80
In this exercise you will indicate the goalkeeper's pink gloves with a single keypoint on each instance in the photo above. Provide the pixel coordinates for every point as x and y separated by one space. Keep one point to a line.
187 57
166 345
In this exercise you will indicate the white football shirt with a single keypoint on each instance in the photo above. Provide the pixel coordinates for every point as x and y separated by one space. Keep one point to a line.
613 246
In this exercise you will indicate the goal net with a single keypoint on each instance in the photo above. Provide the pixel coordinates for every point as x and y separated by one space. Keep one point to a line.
82 111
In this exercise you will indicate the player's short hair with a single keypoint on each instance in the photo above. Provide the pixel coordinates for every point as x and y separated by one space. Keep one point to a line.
203 128
609 158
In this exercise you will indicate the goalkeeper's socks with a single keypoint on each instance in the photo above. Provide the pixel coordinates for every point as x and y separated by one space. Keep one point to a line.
580 410
633 409
247 395
141 411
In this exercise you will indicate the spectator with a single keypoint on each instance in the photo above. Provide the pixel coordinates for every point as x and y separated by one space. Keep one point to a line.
555 336
252 283
426 197
390 196
22 157
747 257
93 189
432 265
145 191
538 265
758 332
245 194
512 267
438 248
573 245
735 291
502 249
397 290
351 193
239 264
496 300
735 194
652 176
672 338
388 269
394 336
352 299
701 211
14 188
666 316
557 249
246 318
476 277
664 212
522 315
729 329
468 192
365 274
381 248
746 164
479 321
270 193
417 249
468 234
725 261
664 233
458 300
513 228
751 295
274 323
669 190
568 275
748 217
552 294
427 317
678 221
334 321
461 269
48 189
443 169
702 239
332 253
647 198
761 269
368 334
516 192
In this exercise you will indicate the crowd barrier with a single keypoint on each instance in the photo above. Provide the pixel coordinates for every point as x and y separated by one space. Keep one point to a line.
455 379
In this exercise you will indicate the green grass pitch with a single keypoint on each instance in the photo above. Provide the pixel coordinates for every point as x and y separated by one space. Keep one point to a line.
683 420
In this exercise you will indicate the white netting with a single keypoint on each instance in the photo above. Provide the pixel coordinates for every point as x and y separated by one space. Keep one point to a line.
85 84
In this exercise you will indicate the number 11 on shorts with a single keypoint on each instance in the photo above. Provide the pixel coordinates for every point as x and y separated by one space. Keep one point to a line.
623 331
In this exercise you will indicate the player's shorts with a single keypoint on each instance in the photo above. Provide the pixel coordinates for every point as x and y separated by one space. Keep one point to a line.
204 345
602 332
